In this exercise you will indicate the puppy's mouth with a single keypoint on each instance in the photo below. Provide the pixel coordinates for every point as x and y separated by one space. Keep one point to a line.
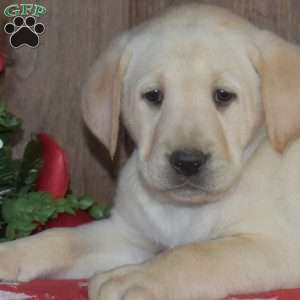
187 193
187 186
188 189
190 192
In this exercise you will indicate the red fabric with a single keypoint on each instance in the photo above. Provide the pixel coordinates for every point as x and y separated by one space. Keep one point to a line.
67 220
291 294
77 290
45 290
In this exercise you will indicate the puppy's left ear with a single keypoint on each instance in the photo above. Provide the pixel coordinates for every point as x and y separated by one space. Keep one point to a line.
279 68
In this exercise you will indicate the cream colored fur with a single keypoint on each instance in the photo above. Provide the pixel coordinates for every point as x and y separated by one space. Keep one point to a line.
237 229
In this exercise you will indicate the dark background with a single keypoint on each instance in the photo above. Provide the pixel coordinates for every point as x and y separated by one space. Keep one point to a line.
43 85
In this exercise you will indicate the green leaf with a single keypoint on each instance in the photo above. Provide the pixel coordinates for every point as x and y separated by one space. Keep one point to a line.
8 122
8 168
30 167
18 229
64 205
35 206
85 202
23 212
99 212
72 202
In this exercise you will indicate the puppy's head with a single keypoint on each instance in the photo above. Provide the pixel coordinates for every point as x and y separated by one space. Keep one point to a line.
197 87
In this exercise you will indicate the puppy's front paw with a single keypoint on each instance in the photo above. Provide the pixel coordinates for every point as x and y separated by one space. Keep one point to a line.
126 283
9 263
14 263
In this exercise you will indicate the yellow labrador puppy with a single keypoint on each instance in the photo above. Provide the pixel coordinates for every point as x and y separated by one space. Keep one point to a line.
209 203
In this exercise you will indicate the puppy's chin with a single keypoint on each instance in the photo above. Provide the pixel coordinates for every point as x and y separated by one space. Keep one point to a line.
187 195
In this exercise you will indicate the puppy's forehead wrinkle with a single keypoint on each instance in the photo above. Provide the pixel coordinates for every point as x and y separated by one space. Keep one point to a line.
191 59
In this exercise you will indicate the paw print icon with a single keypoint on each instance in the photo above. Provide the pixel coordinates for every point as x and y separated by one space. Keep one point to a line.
24 31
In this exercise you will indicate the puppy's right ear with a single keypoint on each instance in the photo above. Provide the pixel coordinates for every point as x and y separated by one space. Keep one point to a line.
101 98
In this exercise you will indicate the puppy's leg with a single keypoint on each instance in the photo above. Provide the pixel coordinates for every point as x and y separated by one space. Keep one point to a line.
203 271
72 253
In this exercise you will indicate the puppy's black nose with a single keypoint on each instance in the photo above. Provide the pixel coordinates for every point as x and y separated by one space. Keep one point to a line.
188 162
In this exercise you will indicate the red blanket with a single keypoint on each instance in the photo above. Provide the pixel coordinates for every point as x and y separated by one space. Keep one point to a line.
77 290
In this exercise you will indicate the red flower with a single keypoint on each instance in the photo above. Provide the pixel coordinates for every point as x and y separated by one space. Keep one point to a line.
54 179
54 175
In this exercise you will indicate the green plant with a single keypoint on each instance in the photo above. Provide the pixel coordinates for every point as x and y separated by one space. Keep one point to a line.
23 209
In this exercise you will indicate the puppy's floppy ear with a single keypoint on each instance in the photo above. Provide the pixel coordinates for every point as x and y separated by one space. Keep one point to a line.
101 98
279 67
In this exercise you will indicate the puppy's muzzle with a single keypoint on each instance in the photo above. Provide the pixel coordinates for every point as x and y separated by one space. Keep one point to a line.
188 162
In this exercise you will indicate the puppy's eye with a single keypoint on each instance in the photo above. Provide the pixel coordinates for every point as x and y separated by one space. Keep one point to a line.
223 98
154 97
